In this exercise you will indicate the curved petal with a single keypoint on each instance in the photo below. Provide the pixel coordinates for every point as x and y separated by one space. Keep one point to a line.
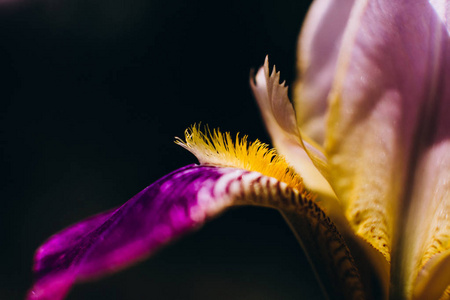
318 48
279 117
388 130
175 204
446 294
172 206
428 227
432 281
56 252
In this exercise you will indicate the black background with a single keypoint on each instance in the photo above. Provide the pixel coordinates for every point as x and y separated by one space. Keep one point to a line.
93 93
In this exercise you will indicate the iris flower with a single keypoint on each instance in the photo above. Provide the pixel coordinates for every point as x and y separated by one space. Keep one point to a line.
361 170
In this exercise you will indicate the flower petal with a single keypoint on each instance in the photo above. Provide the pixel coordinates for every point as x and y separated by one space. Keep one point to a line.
428 226
318 48
432 281
113 240
308 160
388 130
279 117
427 235
169 208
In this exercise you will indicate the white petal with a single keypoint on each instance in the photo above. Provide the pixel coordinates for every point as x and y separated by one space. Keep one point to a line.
278 114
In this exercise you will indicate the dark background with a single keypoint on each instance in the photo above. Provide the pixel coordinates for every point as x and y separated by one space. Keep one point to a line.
93 93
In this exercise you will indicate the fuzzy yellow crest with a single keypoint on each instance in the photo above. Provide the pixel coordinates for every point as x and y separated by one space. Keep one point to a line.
219 149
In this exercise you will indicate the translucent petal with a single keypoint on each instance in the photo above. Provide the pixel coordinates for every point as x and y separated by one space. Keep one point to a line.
387 131
279 117
318 48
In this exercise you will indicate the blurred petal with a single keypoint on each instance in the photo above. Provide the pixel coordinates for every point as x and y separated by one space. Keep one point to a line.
172 206
388 131
279 117
428 227
446 294
433 281
428 230
56 252
318 49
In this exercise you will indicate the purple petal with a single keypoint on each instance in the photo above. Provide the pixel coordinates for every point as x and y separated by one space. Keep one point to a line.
172 206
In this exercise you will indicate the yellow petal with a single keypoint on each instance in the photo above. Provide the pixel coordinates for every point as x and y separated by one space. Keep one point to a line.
426 252
446 295
365 160
432 281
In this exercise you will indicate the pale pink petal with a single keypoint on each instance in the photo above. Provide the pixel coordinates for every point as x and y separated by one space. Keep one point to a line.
428 227
388 130
318 48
